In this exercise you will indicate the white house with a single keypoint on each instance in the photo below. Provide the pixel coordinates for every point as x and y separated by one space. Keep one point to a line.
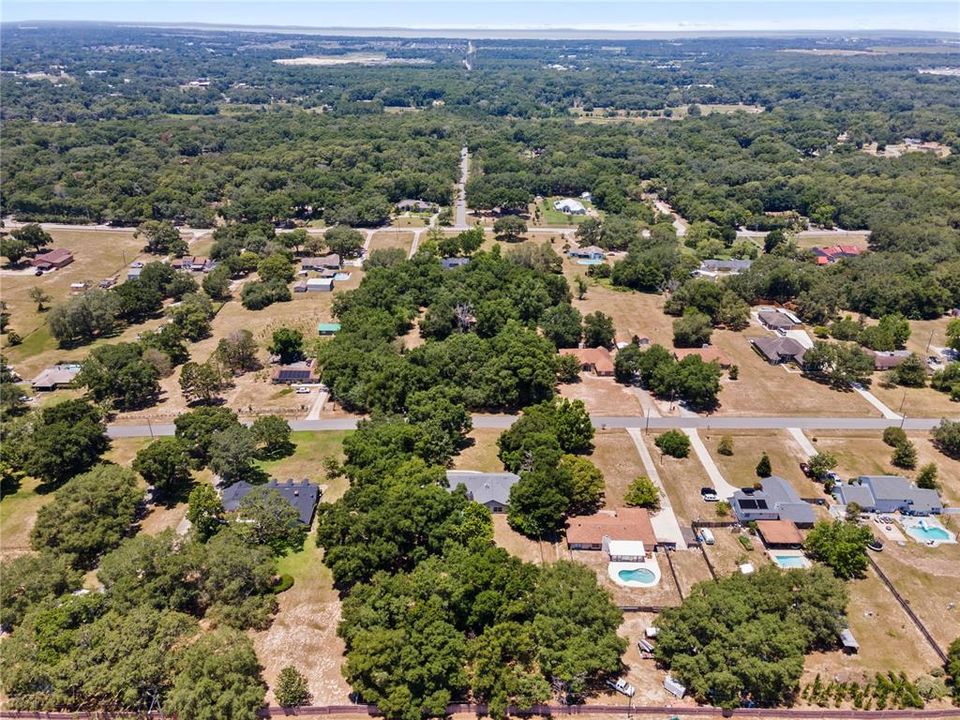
320 285
570 206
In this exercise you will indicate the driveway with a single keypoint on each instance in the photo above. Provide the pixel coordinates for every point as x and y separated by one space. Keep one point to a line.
724 489
665 524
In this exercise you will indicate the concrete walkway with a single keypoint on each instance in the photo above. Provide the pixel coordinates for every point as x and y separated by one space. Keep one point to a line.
805 445
875 401
665 524
724 489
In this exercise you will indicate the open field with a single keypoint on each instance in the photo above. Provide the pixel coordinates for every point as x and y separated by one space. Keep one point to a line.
633 313
616 456
604 116
18 513
304 631
391 239
602 395
409 220
811 238
534 551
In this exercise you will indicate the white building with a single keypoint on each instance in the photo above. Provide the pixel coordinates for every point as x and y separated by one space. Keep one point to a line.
570 206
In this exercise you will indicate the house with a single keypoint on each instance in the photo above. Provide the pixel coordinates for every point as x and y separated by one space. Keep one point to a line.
778 350
133 273
888 359
591 252
779 534
415 206
714 268
592 532
830 255
597 360
453 262
331 262
194 263
775 500
489 489
55 377
708 353
56 258
569 206
849 642
298 372
776 320
889 493
320 285
303 496
326 329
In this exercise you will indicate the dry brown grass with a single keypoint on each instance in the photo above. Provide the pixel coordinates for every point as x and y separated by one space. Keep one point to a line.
533 551
785 456
18 513
826 238
602 395
616 456
664 593
727 553
382 239
690 567
642 674
682 480
480 451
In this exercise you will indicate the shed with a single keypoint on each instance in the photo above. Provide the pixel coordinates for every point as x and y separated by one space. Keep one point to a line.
673 687
328 328
320 285
849 642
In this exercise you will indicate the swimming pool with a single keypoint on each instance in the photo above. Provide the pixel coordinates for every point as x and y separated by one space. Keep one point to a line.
641 575
924 533
791 562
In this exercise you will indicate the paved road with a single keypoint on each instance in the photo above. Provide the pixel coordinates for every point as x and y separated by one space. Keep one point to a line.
601 421
460 207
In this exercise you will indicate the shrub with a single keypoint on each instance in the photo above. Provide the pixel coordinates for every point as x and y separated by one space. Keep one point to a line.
725 446
643 493
894 436
284 583
674 443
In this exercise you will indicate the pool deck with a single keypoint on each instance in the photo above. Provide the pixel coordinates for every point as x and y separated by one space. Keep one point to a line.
774 554
913 526
614 568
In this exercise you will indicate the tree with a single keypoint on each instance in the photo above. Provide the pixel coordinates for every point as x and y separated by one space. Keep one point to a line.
205 511
953 334
216 283
586 484
162 238
764 469
344 241
294 240
28 580
894 436
197 428
840 545
509 228
692 330
673 443
13 249
275 268
291 689
540 501
271 433
927 477
841 364
470 240
561 325
566 423
164 464
912 372
33 235
905 456
725 446
137 301
287 343
67 439
200 382
267 518
773 240
946 437
952 666
84 317
598 330
581 287
88 515
232 453
40 297
588 231
238 351
752 632
626 364
193 316
218 678
118 374
822 463
642 493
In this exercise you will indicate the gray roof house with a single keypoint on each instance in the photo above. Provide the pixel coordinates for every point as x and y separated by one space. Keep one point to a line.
490 489
449 263
775 500
775 320
714 267
777 350
890 493
302 495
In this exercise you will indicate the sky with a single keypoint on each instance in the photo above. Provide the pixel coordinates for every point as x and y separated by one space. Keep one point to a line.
623 15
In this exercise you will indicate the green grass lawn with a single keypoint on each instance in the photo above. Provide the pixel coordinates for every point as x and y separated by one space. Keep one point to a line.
17 513
307 461
549 216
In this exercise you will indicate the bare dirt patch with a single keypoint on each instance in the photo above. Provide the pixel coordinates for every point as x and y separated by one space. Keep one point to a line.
602 395
383 239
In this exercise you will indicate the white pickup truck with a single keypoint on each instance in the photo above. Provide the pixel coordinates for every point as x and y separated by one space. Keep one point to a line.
622 687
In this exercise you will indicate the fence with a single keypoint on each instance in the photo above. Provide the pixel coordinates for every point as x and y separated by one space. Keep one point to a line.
541 710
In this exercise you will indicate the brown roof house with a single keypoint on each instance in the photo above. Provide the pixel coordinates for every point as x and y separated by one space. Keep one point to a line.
597 360
780 534
56 258
588 532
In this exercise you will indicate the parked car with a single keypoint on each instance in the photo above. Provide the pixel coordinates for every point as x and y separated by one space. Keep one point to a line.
302 390
622 687
833 476
805 469
709 494
706 536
